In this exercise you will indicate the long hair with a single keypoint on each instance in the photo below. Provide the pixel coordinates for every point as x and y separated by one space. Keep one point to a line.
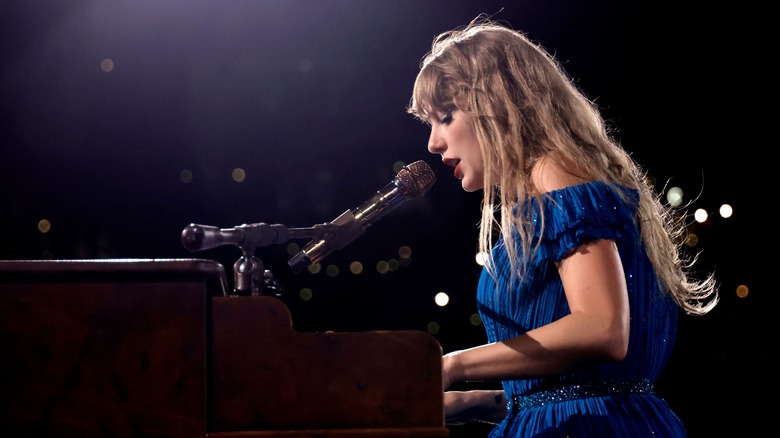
524 106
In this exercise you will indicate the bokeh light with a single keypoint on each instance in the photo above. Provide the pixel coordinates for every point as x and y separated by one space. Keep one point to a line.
305 294
107 65
44 226
238 174
674 196
356 268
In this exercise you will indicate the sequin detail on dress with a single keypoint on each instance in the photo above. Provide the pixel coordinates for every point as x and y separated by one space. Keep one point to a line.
518 403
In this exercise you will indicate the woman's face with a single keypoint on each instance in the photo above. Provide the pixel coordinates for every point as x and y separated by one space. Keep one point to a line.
453 137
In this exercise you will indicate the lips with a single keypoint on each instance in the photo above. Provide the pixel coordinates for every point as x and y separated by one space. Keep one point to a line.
452 162
458 174
455 164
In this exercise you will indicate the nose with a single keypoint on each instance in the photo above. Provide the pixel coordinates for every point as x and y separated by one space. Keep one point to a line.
436 144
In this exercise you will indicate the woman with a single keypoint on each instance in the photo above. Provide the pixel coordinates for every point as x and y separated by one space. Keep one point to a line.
581 295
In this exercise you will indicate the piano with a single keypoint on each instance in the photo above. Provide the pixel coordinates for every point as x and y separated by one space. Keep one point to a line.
156 347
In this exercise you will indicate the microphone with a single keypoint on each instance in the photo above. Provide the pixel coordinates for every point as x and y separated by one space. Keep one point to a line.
412 181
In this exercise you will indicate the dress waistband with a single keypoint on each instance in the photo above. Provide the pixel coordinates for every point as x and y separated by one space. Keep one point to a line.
516 403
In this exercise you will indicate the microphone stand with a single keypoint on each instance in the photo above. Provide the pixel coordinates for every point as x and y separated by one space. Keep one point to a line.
249 274
251 277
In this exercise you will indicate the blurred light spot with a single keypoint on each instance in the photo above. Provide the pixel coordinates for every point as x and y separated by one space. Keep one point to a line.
441 299
700 215
481 258
475 320
238 174
398 165
405 262
692 239
305 294
404 252
107 65
356 268
393 265
674 196
44 226
742 291
304 64
433 327
185 176
315 268
332 271
382 267
726 211
293 248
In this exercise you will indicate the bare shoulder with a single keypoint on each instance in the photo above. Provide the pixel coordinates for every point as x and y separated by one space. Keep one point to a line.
550 174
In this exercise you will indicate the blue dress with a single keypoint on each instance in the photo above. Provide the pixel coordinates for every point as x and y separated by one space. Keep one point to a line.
598 399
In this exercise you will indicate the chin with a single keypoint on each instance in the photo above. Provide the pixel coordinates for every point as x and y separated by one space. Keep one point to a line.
470 187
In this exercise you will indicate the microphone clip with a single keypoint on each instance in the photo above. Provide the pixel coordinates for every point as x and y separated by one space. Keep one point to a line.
336 235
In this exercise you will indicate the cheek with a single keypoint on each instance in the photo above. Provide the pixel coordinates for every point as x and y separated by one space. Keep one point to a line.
475 153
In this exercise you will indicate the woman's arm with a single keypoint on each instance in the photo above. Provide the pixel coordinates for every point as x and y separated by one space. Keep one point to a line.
597 327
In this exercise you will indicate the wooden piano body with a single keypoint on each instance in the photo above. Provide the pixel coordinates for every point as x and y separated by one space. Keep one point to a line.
155 347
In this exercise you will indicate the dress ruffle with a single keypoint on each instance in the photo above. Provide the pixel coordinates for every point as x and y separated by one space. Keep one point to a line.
581 213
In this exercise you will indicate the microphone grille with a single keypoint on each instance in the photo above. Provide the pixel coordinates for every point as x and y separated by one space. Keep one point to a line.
416 179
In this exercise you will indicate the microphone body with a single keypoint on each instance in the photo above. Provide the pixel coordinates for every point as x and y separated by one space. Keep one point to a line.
412 181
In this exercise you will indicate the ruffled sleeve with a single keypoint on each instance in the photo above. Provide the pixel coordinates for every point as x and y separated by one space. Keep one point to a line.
581 213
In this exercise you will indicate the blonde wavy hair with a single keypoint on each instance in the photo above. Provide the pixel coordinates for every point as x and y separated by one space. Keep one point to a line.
524 107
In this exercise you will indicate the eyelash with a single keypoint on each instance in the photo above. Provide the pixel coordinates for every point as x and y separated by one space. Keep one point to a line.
447 119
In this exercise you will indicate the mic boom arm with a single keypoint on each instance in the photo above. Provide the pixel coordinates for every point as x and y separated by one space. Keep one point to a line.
196 237
250 274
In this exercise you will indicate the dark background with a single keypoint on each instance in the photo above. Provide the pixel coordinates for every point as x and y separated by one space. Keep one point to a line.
309 97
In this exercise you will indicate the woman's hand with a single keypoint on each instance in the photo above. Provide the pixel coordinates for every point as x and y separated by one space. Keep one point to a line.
448 369
461 407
